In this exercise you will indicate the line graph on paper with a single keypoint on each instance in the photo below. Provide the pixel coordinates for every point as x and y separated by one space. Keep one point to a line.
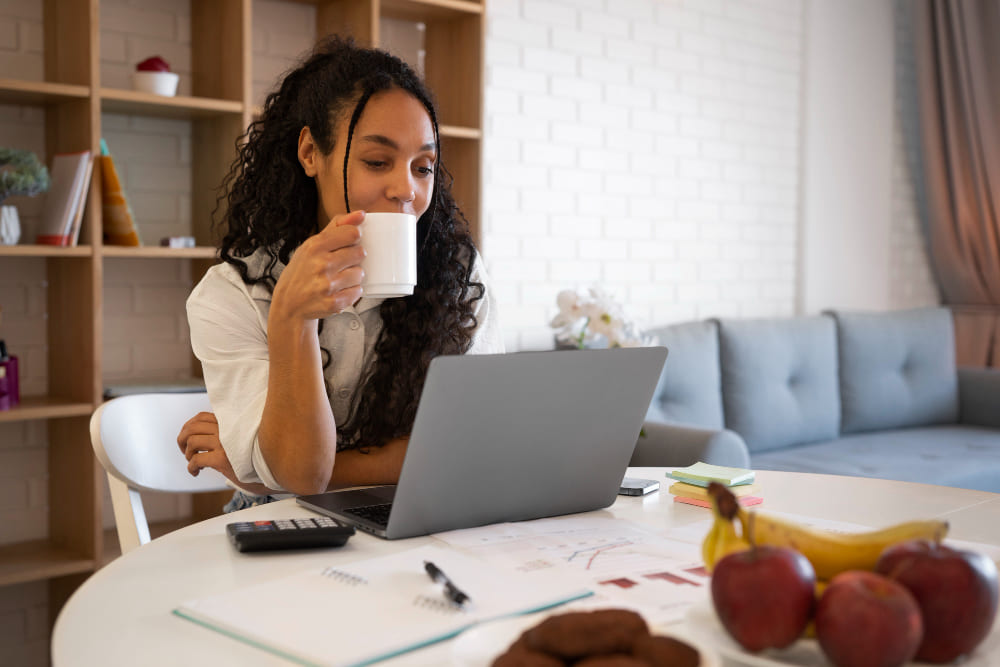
616 552
621 563
588 555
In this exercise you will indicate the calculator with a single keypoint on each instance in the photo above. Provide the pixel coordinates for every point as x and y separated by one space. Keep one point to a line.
288 534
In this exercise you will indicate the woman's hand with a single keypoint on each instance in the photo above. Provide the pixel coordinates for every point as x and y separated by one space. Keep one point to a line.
199 442
324 275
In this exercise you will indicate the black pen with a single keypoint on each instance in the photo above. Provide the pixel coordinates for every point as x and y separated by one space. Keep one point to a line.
451 591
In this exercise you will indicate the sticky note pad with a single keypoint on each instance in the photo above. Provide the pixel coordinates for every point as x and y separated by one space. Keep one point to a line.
702 473
745 501
694 491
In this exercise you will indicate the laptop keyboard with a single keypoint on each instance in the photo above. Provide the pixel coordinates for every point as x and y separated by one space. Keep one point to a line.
375 513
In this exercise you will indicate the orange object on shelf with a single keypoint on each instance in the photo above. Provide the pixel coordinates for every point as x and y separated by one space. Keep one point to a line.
118 222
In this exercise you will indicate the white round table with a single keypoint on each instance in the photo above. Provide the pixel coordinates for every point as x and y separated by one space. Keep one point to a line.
122 614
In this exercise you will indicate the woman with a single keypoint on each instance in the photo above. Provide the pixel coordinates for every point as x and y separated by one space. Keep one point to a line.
312 384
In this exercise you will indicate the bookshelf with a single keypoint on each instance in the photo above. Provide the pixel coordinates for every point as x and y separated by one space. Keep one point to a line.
219 107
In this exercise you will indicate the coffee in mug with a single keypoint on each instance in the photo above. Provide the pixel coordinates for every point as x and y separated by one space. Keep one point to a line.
390 267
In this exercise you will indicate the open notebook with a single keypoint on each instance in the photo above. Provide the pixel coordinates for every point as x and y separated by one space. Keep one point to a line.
374 609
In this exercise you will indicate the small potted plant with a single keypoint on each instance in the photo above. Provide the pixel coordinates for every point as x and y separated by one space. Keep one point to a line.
21 174
153 75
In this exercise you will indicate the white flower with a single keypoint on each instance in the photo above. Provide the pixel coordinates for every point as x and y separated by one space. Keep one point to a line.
569 309
584 318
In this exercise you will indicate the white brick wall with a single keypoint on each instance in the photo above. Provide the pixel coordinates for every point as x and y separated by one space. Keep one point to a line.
649 146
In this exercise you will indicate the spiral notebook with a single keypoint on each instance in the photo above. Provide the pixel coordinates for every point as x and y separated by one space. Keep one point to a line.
374 609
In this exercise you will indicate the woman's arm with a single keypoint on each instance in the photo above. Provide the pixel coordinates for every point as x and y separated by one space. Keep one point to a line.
298 434
381 465
199 441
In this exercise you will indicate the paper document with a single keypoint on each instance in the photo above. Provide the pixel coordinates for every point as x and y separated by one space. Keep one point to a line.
625 564
370 610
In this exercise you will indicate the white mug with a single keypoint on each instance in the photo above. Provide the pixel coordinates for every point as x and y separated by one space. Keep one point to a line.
390 266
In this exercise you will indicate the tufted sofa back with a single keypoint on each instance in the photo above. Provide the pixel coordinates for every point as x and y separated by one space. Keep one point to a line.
779 380
690 387
897 369
794 380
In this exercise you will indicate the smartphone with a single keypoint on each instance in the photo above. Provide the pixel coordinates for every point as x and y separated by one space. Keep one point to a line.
634 486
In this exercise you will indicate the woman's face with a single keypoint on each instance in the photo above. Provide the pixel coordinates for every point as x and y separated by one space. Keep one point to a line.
391 165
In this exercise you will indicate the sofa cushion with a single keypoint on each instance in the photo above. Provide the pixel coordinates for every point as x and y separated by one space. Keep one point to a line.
779 380
689 390
897 369
962 456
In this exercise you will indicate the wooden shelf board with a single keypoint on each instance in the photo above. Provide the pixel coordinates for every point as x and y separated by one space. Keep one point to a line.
457 132
45 407
39 560
117 100
14 91
158 252
30 250
464 6
430 9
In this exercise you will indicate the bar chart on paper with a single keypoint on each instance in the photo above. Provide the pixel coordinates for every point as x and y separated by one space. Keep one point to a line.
621 563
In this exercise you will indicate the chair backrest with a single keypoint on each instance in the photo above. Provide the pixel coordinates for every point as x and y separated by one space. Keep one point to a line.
135 439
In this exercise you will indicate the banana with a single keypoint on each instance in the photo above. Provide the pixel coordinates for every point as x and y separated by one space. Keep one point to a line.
727 542
722 538
832 552
708 544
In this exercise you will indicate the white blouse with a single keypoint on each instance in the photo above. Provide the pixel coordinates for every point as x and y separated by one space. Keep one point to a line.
228 321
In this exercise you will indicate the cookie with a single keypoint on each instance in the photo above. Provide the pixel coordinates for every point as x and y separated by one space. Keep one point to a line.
659 651
521 656
612 660
580 634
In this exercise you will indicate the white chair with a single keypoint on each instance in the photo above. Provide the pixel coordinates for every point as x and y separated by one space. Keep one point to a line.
135 439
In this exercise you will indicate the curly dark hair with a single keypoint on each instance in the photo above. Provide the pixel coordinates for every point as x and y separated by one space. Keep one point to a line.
272 205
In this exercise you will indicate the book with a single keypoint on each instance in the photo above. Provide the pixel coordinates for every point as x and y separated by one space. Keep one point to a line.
701 474
74 230
373 609
65 202
694 491
118 226
745 501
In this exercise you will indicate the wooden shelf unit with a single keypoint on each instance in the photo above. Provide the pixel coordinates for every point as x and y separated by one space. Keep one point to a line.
219 109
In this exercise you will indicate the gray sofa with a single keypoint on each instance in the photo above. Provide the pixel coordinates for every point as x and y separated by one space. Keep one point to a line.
868 394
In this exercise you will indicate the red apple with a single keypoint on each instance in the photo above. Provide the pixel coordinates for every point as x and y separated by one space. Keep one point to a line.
153 64
764 596
956 591
866 619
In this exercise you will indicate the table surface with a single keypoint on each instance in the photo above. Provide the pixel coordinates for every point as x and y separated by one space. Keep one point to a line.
122 614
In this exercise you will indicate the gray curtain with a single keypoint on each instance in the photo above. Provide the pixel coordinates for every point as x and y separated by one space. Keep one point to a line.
958 69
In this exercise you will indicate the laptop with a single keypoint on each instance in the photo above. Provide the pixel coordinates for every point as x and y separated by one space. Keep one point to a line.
510 437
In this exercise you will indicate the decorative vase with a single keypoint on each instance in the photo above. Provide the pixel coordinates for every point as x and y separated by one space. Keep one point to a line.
10 225
564 344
